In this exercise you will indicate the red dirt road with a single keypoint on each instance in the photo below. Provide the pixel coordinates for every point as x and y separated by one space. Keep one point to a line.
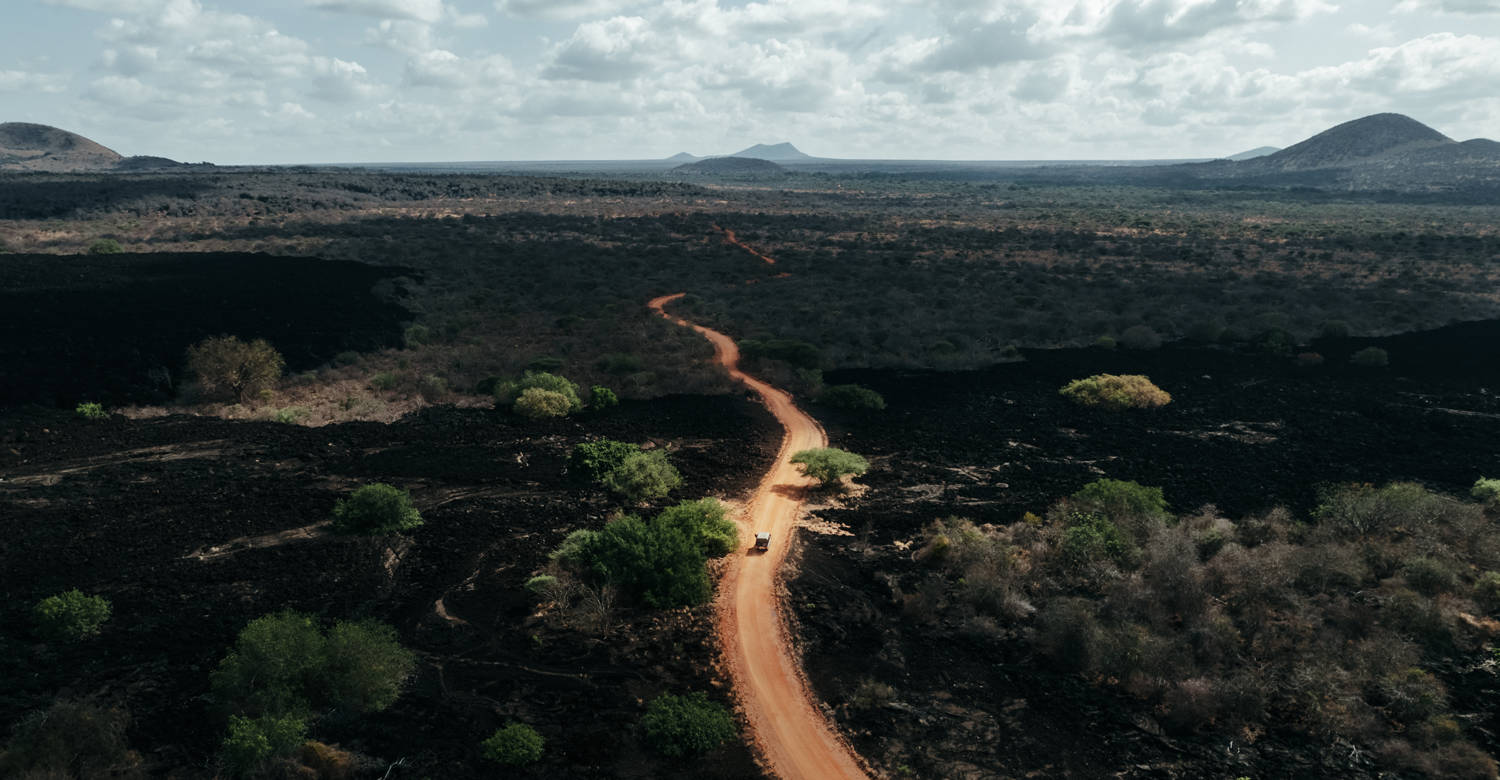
790 733
730 239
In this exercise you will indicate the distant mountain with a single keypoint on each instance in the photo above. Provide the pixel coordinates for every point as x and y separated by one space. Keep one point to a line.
1250 154
29 147
683 157
731 165
782 152
1359 140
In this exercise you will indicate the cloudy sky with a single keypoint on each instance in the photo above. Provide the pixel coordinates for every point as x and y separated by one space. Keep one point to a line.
286 81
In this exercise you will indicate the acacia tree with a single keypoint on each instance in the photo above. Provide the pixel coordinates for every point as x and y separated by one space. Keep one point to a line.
829 464
225 364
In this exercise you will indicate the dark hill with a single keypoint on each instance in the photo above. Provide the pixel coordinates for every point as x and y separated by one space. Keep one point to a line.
683 157
731 165
782 152
1355 141
30 147
148 163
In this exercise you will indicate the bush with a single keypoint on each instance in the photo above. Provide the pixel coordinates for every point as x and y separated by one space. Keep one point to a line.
601 397
416 336
1487 590
1412 695
432 388
290 415
70 615
852 397
1140 337
71 739
90 410
253 742
591 460
105 246
1371 357
656 563
224 364
1429 576
705 524
1486 490
829 464
642 476
686 725
577 550
376 510
364 666
1123 501
1106 342
511 392
284 664
1110 391
1092 537
536 403
515 745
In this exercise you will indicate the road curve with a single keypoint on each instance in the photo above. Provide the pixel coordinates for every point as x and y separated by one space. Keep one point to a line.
792 736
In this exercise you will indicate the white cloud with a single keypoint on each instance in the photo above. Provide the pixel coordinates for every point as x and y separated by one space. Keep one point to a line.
613 50
1450 6
429 11
24 81
562 9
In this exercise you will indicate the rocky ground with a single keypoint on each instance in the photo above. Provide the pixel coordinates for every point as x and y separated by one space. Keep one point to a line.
1245 432
190 525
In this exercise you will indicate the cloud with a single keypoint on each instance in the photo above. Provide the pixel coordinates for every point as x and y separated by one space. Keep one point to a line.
614 50
23 81
429 11
562 9
1450 6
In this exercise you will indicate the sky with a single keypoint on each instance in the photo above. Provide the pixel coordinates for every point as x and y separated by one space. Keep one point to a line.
304 81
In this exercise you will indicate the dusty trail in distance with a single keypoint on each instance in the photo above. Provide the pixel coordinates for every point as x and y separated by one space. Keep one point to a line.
791 734
730 238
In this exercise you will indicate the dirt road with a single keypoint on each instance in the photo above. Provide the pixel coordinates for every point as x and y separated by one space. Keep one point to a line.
791 734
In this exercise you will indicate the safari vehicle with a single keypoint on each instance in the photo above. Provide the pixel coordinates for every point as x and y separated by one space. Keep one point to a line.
762 541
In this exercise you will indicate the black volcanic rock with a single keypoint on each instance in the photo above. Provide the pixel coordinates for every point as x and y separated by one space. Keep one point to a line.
1353 142
31 147
732 165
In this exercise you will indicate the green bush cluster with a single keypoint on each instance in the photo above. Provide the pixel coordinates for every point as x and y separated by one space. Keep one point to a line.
538 394
853 397
105 246
225 364
828 465
591 460
90 410
252 743
687 725
1112 391
70 615
1486 490
601 398
625 469
516 744
375 510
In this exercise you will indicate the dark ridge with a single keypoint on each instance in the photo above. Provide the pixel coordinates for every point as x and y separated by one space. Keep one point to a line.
731 165
1354 141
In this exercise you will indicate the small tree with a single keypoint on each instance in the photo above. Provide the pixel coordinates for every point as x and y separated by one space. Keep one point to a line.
510 392
517 744
1486 490
364 665
537 403
657 564
853 397
70 615
105 246
376 510
679 726
602 397
829 464
705 523
591 460
642 476
1110 391
275 662
1371 357
253 742
91 410
225 364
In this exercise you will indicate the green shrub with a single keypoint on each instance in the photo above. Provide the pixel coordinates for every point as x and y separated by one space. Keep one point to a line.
1106 342
798 353
1361 510
601 397
1140 337
1371 357
382 381
70 739
536 404
375 510
225 364
90 410
591 460
545 363
290 415
364 666
853 397
1487 590
511 392
70 615
1111 391
576 550
828 465
416 336
517 744
1092 537
542 583
704 522
285 664
686 725
656 563
1486 490
432 388
105 246
1123 501
253 742
1429 576
642 476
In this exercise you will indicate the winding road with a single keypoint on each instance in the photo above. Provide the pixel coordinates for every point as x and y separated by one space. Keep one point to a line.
792 735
